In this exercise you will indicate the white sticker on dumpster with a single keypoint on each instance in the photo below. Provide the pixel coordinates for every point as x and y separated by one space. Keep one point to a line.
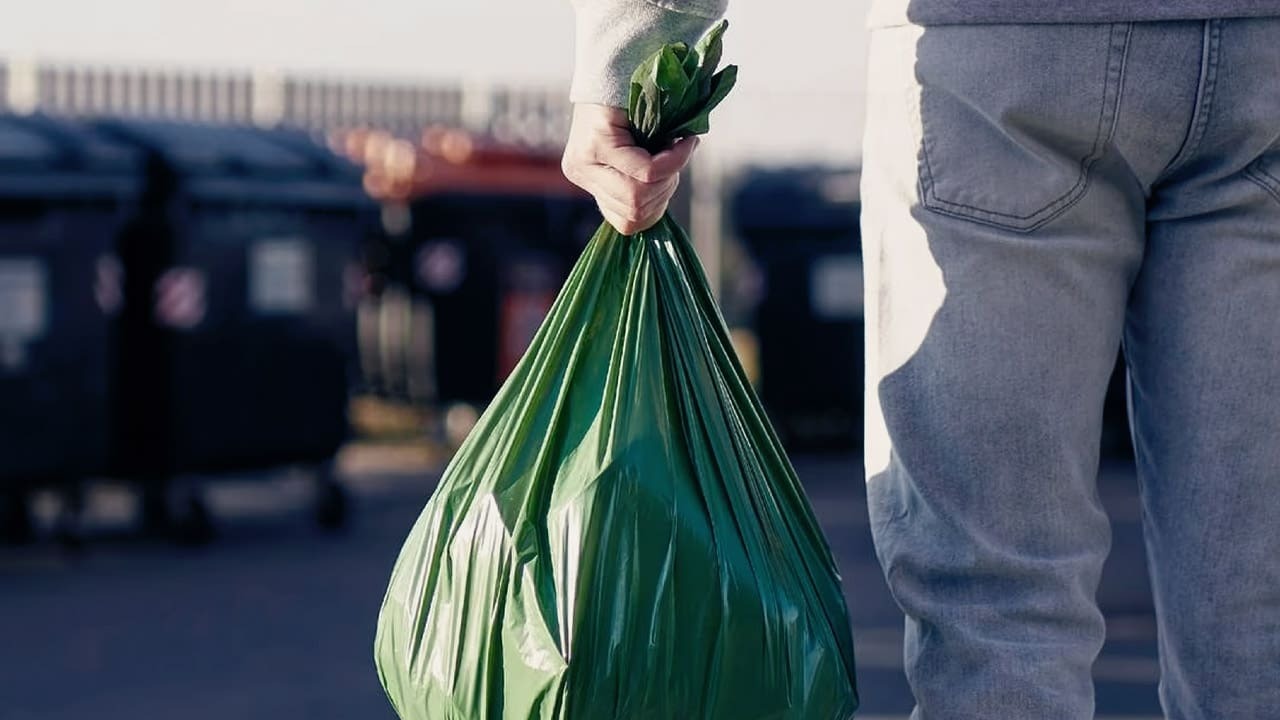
442 265
281 276
835 287
181 298
24 300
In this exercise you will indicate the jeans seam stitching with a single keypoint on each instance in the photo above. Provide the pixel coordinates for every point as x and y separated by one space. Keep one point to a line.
1118 51
1258 168
1263 179
1204 100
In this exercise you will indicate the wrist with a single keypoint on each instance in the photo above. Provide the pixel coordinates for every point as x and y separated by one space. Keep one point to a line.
615 36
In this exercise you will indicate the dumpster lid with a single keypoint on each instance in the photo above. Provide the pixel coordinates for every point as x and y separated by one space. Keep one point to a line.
804 197
323 159
198 149
242 162
42 156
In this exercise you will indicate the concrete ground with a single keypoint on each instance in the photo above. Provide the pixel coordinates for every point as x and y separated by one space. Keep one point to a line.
274 620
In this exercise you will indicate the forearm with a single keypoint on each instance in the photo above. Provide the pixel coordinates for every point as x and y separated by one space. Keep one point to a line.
614 36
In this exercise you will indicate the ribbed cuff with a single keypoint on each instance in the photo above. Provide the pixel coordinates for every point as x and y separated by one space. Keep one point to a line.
614 36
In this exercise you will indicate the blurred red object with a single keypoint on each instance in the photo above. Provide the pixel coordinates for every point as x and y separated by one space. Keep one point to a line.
451 160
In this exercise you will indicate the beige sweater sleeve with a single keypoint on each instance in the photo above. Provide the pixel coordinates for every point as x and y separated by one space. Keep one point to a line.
614 36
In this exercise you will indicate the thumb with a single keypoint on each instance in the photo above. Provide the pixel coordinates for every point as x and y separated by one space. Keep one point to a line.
638 164
675 158
630 160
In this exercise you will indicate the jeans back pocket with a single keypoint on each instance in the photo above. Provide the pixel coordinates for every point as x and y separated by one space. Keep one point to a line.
1013 117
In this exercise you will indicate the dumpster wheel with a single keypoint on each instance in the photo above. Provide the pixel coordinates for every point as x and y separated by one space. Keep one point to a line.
333 507
16 524
192 523
155 513
68 529
179 515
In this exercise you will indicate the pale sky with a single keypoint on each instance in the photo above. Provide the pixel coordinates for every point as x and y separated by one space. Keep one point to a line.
801 62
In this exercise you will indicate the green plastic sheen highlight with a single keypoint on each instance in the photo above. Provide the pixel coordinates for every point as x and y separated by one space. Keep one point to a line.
621 537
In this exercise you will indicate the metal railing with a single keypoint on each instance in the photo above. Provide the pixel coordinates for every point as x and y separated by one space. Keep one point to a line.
529 116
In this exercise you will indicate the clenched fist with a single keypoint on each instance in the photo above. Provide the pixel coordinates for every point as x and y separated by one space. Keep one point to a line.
631 187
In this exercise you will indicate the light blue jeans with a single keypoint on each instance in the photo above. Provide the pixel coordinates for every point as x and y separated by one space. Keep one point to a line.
1032 197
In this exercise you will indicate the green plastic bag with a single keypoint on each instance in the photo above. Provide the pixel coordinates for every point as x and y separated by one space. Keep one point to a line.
621 536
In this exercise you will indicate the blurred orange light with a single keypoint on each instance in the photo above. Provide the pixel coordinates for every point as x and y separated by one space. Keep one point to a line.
375 147
431 137
400 159
354 141
456 147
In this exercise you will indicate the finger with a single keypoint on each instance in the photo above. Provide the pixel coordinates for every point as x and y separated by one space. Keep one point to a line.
630 160
616 221
618 215
674 159
628 220
624 221
654 203
602 180
658 204
650 212
638 164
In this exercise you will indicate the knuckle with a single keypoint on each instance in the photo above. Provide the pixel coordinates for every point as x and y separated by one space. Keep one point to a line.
635 196
569 166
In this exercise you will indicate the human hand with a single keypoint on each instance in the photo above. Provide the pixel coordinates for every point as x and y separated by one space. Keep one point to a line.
631 187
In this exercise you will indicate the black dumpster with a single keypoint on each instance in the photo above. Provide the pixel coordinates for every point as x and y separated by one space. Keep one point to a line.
63 196
239 336
349 229
490 266
801 226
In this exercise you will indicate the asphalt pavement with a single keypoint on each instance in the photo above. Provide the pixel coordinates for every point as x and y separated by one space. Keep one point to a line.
274 620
